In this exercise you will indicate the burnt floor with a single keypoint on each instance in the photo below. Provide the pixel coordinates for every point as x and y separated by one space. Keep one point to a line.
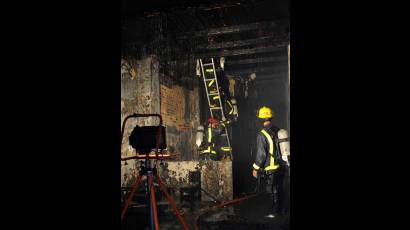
249 214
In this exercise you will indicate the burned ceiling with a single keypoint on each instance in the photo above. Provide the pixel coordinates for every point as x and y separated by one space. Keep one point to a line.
252 35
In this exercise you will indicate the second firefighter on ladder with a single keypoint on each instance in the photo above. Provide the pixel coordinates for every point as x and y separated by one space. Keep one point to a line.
213 140
210 147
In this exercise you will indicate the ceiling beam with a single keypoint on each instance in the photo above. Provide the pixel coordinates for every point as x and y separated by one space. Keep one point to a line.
174 53
236 29
156 9
273 65
227 53
265 70
256 60
232 44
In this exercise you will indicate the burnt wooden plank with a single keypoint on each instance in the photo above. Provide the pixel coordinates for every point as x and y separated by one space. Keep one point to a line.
226 53
232 44
256 60
268 70
236 29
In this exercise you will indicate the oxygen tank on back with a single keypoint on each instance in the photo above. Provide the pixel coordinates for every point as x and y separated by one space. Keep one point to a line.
199 135
284 144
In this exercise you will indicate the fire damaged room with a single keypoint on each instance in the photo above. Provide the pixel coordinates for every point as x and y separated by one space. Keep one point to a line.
205 114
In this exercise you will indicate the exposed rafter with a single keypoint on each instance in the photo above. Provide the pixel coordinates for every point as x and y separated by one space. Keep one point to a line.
190 6
271 39
226 53
257 60
236 28
268 70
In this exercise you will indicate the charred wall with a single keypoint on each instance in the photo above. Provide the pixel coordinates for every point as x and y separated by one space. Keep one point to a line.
180 111
140 93
147 89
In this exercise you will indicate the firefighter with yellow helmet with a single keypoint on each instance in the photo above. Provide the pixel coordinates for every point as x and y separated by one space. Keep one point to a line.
272 157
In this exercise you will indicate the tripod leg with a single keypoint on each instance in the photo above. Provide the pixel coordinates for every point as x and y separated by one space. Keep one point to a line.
128 201
153 202
171 201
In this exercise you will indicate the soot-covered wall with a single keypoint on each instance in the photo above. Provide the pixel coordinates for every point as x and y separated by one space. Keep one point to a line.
180 111
144 89
139 94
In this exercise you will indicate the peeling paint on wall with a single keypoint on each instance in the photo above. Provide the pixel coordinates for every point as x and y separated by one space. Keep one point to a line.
180 111
139 94
216 178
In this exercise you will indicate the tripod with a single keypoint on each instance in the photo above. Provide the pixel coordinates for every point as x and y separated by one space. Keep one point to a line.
150 172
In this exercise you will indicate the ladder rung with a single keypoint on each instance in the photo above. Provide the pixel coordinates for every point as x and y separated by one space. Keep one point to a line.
213 94
209 79
208 64
215 107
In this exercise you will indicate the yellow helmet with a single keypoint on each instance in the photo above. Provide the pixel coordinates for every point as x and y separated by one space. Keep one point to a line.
265 112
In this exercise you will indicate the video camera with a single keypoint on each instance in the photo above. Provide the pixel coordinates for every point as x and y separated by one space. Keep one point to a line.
144 139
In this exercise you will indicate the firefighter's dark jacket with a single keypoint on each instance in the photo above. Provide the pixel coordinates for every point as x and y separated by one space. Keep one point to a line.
212 133
268 155
208 146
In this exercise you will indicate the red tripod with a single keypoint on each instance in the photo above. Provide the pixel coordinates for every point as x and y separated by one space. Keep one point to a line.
150 171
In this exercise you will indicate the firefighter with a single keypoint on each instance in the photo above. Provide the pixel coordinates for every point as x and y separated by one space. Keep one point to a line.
269 163
208 150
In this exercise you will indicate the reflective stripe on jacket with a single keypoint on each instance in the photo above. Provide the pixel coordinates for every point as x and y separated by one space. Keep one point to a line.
265 153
